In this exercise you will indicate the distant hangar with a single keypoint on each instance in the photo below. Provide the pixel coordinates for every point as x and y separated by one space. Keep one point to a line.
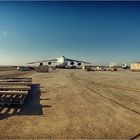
135 66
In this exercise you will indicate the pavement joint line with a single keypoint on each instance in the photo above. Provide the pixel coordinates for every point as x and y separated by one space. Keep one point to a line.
123 106
106 84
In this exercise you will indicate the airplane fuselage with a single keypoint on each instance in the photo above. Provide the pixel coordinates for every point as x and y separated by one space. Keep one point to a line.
61 61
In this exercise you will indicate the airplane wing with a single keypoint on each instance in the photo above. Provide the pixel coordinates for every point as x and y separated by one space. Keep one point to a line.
51 60
72 60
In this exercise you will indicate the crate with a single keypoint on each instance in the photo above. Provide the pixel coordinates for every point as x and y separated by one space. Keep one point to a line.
13 91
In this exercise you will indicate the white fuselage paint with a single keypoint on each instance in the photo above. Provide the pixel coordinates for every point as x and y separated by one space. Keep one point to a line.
61 61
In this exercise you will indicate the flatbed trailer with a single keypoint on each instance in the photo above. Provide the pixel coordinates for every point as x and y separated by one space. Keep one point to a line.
13 91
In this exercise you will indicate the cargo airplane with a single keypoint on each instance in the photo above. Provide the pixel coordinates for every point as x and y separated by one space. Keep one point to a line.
61 62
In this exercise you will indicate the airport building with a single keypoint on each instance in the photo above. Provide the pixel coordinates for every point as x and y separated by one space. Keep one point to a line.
135 66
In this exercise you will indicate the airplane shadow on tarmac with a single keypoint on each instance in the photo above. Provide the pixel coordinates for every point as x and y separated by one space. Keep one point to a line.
31 105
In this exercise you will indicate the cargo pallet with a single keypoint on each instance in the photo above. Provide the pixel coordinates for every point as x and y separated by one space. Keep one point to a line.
13 91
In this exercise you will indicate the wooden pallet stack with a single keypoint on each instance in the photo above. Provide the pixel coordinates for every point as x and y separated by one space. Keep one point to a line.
14 90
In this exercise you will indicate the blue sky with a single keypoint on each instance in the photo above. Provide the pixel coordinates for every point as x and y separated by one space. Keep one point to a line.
98 32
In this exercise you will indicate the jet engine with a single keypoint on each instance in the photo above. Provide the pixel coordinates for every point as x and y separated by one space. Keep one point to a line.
72 63
49 63
41 64
79 64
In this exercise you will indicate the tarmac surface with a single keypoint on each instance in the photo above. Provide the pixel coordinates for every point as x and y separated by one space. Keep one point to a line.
75 104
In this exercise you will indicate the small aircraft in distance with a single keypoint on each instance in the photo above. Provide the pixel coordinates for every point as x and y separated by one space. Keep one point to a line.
125 66
61 62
